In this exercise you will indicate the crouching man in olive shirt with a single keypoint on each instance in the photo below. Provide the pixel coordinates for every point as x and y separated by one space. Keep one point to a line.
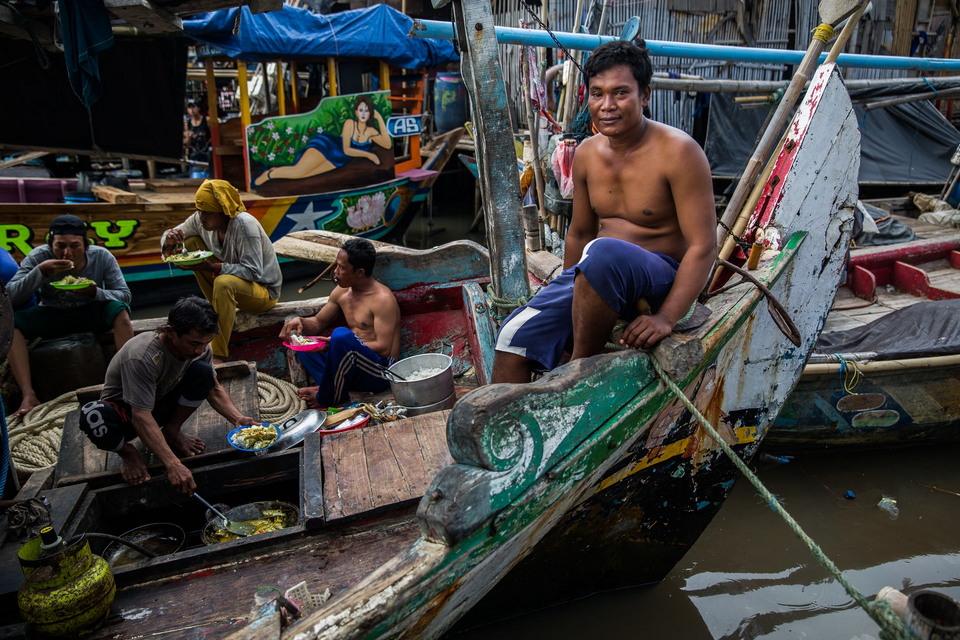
153 385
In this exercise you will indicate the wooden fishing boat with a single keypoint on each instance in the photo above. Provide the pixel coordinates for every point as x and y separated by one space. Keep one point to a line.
887 370
594 477
375 197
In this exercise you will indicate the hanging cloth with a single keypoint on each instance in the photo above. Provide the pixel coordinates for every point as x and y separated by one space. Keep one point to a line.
85 27
562 161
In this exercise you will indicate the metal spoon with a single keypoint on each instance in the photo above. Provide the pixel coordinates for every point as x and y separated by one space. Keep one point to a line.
239 528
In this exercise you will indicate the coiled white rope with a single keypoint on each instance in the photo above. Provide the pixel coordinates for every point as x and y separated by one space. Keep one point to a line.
35 437
278 399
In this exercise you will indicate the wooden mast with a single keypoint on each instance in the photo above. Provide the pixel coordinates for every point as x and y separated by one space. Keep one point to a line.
496 155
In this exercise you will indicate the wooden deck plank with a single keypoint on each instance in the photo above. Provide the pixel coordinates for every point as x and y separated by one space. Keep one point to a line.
382 464
332 504
350 482
432 435
311 480
386 482
406 446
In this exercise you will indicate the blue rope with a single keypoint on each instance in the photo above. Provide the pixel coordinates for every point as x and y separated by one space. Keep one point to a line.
931 86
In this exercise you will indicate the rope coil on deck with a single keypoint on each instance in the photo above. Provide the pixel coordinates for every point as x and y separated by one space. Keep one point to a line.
278 399
891 626
35 437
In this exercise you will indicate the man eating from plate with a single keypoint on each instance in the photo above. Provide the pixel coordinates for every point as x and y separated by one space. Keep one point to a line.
99 306
152 387
243 271
356 353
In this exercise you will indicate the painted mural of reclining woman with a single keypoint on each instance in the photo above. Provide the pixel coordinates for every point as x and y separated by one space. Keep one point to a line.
326 152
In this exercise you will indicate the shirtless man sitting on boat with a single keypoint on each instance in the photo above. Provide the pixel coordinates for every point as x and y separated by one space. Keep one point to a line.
153 385
642 237
357 353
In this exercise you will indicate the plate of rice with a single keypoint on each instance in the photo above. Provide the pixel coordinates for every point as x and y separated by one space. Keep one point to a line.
253 437
306 343
188 259
71 283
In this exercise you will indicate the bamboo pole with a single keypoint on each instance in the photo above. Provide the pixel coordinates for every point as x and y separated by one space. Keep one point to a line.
294 87
841 42
213 119
772 133
384 76
244 94
946 192
281 92
949 94
879 366
332 76
535 236
573 77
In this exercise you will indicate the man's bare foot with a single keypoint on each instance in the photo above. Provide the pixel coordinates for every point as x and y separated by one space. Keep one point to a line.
133 469
183 445
309 395
29 402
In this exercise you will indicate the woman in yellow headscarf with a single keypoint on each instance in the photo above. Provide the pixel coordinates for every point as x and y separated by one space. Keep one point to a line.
243 271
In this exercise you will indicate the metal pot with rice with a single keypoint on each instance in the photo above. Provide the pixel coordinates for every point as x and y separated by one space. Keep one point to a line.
423 383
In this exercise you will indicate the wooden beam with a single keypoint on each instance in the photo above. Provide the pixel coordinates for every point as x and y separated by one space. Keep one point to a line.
114 195
144 15
26 157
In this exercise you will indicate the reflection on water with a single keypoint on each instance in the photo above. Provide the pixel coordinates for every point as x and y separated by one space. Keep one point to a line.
749 576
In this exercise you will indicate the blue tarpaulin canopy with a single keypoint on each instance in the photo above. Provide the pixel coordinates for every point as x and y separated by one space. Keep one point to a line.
297 34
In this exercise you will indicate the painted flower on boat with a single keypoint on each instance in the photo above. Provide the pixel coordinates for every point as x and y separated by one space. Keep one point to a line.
275 136
290 150
367 212
271 156
289 130
269 125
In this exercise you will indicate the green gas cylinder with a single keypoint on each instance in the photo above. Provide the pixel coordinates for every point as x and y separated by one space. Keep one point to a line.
68 590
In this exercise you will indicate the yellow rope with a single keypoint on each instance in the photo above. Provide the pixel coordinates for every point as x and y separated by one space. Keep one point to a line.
823 33
850 375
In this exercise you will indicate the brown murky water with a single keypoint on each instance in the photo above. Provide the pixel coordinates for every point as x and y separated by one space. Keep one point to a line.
748 576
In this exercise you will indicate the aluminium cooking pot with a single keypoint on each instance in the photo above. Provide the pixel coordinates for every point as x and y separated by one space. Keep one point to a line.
418 390
161 538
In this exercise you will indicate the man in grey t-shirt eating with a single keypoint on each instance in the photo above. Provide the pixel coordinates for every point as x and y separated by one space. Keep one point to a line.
153 385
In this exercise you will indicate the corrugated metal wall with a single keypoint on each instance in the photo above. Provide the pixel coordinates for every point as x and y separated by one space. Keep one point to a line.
775 24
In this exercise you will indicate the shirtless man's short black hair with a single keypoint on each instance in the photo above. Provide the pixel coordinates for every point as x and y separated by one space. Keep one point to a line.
620 52
361 254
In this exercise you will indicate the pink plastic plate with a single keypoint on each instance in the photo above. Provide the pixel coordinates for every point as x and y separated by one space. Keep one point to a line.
319 345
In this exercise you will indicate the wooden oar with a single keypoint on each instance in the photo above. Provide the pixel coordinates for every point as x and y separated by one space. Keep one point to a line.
736 215
317 279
